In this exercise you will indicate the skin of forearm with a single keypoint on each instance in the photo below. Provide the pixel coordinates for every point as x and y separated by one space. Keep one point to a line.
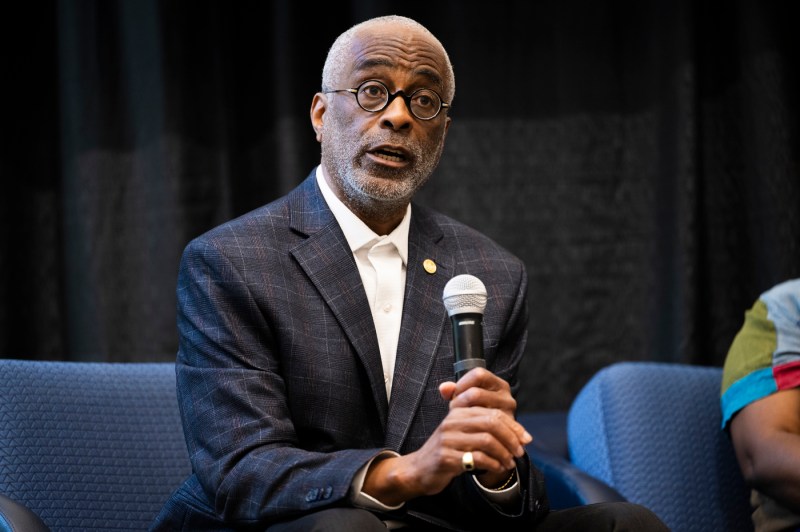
766 438
774 468
387 483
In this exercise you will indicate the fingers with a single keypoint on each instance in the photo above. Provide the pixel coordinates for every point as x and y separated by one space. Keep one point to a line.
493 438
480 387
481 420
508 431
500 400
481 378
492 432
447 390
485 462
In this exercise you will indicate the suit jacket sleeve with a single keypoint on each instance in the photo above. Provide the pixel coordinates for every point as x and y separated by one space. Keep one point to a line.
238 424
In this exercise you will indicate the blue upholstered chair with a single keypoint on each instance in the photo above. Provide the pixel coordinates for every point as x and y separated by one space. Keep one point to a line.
567 485
87 446
652 431
96 446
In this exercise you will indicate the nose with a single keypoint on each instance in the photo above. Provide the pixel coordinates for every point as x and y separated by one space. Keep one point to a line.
397 115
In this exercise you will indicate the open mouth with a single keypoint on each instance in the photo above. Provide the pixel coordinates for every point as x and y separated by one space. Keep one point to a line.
390 154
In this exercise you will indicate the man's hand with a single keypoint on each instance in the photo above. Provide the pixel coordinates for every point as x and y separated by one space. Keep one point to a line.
481 420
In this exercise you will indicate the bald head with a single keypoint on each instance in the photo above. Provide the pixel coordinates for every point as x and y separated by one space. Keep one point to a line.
340 54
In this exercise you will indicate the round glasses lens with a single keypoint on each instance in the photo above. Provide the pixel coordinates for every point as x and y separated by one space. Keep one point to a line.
372 95
425 104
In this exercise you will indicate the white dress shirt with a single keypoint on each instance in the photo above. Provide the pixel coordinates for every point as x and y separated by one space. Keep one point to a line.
382 261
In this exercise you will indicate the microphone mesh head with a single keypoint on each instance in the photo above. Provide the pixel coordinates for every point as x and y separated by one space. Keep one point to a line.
464 294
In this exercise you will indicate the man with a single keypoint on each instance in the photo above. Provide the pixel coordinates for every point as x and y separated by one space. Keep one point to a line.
761 405
315 369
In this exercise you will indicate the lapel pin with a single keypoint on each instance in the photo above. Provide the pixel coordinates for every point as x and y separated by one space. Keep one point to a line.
429 266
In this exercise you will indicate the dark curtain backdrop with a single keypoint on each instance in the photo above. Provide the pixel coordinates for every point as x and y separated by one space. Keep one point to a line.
641 157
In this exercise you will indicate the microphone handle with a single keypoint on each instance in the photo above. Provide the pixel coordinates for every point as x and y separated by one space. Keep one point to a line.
468 342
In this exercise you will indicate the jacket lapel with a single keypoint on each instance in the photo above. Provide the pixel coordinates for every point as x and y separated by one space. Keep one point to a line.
424 321
327 260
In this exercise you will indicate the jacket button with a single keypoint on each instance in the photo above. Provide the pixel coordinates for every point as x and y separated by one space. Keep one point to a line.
312 495
327 492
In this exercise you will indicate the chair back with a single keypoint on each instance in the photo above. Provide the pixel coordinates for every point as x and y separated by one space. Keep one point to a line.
90 446
652 431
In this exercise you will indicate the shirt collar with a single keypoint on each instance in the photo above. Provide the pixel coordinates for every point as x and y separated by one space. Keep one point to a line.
356 232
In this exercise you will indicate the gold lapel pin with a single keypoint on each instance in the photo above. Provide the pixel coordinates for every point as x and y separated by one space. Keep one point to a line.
429 266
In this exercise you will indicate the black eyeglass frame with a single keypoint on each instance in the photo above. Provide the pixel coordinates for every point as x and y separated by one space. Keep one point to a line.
391 96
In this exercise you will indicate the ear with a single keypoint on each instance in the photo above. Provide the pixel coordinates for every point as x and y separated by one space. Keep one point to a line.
318 107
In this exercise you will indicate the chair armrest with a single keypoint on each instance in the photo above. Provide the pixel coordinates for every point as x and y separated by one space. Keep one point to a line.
16 517
549 431
568 486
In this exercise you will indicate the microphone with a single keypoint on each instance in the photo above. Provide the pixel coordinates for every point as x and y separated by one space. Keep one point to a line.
464 298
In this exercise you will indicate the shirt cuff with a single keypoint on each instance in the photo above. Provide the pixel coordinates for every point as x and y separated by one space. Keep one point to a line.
505 498
362 500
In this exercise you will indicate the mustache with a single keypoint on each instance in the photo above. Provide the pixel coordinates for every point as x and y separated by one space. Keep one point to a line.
368 141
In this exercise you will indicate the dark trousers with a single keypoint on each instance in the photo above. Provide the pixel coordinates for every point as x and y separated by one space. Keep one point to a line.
610 516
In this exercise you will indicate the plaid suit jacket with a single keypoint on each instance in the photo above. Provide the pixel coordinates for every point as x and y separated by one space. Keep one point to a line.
279 375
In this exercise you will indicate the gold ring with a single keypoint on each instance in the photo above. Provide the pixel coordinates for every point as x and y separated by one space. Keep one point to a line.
467 463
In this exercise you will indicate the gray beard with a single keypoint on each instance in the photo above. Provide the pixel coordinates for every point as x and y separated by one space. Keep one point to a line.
344 153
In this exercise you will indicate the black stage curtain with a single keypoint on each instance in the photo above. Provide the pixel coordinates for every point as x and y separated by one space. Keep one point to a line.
641 157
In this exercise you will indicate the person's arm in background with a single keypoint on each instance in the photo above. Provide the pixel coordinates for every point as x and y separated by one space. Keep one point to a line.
766 438
761 398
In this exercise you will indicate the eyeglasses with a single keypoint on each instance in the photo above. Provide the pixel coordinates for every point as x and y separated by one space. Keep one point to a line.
373 96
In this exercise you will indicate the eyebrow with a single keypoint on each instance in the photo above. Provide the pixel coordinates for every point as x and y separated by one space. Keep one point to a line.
425 72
